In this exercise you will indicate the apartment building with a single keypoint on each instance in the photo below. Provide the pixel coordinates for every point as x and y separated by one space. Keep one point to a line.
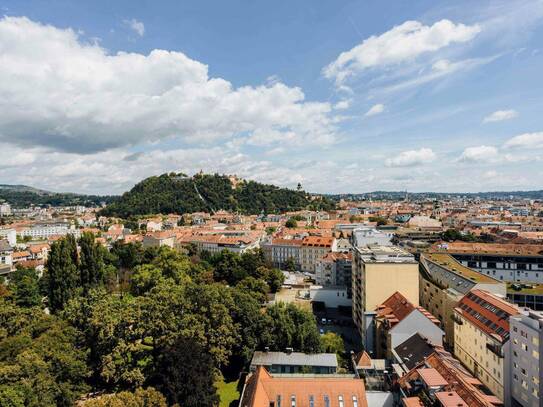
313 249
263 389
507 262
523 384
441 380
334 269
528 295
377 273
481 340
397 319
279 251
443 283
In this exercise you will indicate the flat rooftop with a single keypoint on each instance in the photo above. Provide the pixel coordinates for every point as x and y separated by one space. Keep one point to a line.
385 254
496 249
448 262
294 359
525 288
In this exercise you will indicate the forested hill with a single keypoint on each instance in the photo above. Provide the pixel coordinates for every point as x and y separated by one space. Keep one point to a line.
177 193
20 196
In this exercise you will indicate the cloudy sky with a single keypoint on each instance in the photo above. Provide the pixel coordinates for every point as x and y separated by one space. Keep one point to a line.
342 96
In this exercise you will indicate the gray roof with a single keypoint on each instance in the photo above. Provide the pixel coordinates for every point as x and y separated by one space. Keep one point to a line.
294 359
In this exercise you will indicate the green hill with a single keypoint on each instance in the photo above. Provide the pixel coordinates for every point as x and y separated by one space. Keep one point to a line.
177 193
20 196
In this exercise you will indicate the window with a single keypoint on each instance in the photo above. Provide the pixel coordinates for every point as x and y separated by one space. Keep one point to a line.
340 399
279 401
355 401
311 401
326 401
293 400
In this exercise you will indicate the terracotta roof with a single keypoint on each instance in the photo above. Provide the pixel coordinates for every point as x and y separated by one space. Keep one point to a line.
450 399
287 242
317 241
262 388
412 402
431 377
487 312
492 248
362 359
396 307
458 379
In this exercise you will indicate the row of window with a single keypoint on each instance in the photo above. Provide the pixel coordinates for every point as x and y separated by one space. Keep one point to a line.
341 401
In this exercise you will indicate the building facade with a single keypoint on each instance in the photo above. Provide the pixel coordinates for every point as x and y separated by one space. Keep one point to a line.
523 379
377 273
482 336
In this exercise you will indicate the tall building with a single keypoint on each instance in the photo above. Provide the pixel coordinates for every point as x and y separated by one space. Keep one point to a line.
481 337
334 269
443 283
377 273
523 382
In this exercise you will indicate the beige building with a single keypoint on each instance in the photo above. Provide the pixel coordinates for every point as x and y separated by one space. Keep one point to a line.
377 273
313 249
443 283
481 333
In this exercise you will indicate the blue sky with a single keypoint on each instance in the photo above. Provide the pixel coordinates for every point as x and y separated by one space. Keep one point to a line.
342 96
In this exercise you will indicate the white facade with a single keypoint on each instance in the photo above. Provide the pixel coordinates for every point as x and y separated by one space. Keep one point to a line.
5 209
332 297
10 235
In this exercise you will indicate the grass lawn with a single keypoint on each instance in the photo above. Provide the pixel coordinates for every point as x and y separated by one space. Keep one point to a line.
228 392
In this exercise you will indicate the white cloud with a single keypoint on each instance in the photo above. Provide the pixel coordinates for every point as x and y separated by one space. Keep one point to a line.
375 109
343 104
402 43
526 140
64 94
479 154
137 26
411 158
500 115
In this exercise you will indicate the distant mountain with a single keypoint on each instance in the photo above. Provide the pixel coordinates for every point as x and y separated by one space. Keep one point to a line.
20 196
22 188
178 193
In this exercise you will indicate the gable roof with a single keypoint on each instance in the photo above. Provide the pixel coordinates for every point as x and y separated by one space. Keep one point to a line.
396 307
262 388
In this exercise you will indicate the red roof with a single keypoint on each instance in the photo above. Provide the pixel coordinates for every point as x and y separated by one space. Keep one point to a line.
396 307
487 312
318 241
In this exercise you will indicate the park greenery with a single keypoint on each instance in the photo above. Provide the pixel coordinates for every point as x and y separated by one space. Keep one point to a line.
177 193
133 326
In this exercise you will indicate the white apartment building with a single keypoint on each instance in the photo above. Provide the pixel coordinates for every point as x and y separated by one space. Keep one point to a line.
523 384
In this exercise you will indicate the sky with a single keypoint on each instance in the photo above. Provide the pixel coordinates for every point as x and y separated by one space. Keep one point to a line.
340 96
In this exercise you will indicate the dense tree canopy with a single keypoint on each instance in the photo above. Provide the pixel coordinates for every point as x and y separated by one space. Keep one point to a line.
176 193
180 323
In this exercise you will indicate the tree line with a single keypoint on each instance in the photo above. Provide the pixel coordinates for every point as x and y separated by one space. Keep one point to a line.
140 324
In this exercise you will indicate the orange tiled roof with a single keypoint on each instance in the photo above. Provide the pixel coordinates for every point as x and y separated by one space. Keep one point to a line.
491 248
317 241
396 307
262 388
479 306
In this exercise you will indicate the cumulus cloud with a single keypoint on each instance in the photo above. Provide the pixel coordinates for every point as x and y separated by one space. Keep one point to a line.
375 109
62 93
526 140
402 43
479 154
137 26
411 158
500 115
342 104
